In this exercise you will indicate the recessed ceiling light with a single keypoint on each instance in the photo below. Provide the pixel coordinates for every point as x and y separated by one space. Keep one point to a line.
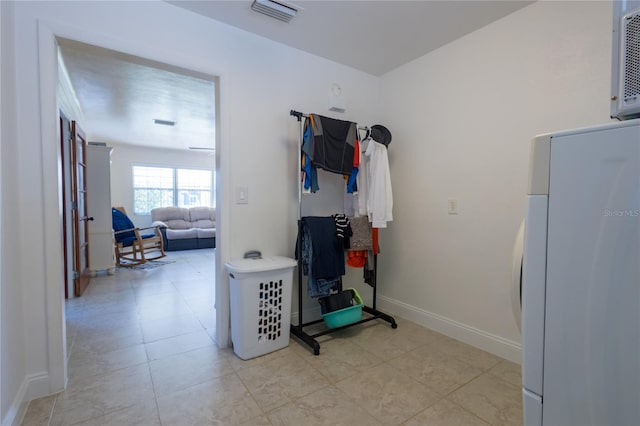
164 122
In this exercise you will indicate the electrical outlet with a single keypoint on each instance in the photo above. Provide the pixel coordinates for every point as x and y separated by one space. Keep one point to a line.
452 206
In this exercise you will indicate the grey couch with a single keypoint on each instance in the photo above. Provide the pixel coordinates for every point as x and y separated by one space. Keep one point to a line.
186 228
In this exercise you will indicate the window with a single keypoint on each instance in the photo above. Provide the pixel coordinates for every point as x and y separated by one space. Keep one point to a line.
194 187
165 186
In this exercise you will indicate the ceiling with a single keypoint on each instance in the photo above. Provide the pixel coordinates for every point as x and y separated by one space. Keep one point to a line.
120 95
372 36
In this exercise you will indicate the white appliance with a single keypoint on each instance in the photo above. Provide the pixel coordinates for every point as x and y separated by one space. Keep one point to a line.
581 278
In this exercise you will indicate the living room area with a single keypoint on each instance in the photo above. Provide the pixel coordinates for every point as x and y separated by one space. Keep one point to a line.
150 156
156 309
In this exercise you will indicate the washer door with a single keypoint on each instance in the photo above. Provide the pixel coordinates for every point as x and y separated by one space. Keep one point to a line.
516 276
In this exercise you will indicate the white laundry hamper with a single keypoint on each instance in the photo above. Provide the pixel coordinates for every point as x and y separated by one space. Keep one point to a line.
260 297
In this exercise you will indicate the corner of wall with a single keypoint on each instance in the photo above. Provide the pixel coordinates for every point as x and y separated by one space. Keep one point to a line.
496 345
33 386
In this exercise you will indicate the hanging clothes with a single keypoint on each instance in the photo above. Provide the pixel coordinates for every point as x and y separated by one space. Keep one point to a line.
379 193
373 202
362 238
333 144
370 270
316 240
363 242
343 229
357 258
309 170
322 255
352 182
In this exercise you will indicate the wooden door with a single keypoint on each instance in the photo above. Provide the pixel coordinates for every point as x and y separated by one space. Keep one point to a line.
65 149
79 218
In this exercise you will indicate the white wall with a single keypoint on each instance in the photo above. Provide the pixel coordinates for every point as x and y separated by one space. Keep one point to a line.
260 81
124 157
462 120
13 368
1 223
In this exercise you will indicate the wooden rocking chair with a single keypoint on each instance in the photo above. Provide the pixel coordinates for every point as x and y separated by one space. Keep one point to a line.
131 247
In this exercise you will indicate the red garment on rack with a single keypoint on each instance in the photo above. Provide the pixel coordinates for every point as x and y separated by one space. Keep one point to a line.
374 238
356 258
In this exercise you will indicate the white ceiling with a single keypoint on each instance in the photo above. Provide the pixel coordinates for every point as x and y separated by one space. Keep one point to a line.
120 95
372 36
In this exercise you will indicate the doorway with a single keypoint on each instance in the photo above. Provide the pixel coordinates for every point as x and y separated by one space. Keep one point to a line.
202 151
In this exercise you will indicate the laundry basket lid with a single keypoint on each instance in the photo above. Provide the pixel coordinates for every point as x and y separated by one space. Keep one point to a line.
270 263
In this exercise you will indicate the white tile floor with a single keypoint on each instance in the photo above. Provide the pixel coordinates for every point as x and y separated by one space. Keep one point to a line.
141 353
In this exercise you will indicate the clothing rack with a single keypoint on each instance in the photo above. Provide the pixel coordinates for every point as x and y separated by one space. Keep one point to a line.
373 312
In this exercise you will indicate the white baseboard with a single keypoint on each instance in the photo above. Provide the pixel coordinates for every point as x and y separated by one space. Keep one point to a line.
18 407
38 385
34 386
496 345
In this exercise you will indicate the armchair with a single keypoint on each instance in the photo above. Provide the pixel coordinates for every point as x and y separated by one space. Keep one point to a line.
131 247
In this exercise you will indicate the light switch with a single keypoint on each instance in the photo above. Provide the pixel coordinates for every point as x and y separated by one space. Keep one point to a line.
242 195
452 206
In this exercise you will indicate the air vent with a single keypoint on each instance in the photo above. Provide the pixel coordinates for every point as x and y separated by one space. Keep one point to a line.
276 9
164 122
625 60
631 58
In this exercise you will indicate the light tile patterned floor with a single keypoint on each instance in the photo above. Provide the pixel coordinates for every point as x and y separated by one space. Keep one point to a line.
141 353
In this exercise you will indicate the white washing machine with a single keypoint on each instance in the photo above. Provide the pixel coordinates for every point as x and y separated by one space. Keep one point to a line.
516 276
581 280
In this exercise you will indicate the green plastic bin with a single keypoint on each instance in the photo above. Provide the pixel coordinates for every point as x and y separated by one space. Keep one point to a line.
345 316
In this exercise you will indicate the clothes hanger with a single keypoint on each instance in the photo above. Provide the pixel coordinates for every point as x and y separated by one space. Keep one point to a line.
367 134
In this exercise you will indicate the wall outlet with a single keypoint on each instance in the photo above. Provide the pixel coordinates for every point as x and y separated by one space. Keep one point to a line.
452 206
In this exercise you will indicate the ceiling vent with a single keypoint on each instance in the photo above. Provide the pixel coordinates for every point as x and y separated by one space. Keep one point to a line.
276 9
164 122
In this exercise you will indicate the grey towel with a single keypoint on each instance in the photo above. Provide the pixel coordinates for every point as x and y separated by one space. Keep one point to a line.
361 239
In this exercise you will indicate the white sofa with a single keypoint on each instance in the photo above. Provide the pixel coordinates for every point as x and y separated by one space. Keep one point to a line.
186 228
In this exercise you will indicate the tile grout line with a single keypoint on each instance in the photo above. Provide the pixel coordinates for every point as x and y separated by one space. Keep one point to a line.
153 387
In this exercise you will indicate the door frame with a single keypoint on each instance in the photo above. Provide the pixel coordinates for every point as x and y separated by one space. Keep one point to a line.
76 275
67 236
48 32
79 216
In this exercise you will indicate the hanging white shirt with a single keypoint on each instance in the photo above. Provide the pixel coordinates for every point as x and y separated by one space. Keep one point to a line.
379 194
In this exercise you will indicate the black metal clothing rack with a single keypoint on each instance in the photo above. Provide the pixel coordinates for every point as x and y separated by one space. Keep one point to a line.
298 330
